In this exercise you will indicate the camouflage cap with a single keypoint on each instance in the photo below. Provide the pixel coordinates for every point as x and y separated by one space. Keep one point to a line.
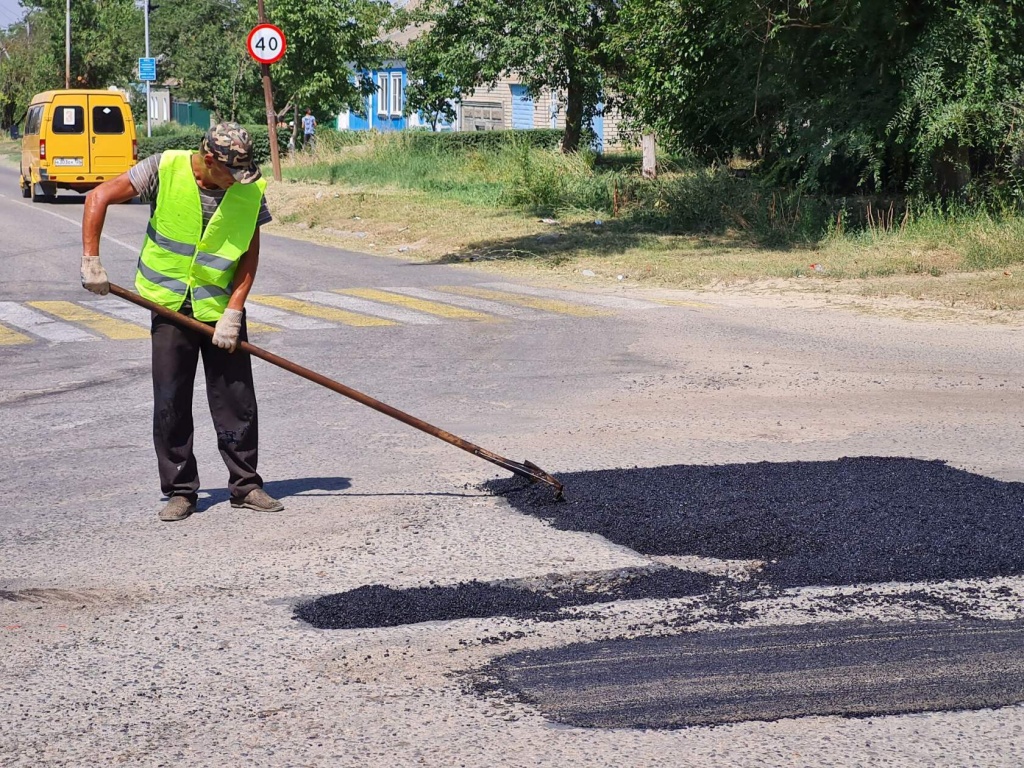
230 144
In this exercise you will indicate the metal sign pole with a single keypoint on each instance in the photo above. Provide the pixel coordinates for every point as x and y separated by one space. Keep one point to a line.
67 44
268 96
149 119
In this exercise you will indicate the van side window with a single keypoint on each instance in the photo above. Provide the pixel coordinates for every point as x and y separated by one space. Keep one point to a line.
68 119
107 120
33 120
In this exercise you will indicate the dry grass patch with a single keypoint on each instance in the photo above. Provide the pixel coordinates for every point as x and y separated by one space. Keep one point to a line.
10 150
389 221
536 214
413 225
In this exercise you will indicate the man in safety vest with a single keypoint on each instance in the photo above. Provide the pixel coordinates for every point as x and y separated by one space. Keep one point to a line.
199 257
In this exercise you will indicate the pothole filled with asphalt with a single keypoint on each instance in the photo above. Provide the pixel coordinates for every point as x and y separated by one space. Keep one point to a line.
844 522
853 521
543 598
851 669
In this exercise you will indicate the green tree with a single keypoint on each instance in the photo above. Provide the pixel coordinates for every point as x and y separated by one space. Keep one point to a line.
429 92
25 69
201 49
106 41
328 42
203 45
549 44
858 94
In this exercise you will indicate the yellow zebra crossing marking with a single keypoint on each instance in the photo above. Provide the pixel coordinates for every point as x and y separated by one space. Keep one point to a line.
10 337
683 303
534 302
481 303
105 325
252 325
422 305
320 311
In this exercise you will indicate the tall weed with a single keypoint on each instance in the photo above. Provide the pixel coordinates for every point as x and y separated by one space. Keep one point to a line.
506 171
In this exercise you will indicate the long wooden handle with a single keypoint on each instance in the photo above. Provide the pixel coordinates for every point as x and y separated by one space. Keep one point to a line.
528 470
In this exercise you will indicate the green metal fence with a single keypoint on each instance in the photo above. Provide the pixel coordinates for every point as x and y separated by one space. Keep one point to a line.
190 113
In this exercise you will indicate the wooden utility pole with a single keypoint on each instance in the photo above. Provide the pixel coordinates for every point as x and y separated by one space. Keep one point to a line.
268 95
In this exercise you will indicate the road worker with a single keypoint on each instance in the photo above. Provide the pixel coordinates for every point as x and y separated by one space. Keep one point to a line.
199 257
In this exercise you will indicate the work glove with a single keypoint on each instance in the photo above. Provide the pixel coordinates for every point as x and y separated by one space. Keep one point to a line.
94 276
225 334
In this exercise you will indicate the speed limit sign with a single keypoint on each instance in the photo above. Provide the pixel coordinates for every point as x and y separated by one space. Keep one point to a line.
266 43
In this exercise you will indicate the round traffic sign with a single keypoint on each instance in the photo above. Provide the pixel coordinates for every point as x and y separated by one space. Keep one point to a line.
266 43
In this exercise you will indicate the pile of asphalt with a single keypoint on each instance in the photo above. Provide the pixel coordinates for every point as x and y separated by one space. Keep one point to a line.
854 520
383 606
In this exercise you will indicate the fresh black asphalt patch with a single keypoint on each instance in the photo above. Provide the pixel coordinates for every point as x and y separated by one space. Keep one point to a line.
382 606
845 522
850 521
853 669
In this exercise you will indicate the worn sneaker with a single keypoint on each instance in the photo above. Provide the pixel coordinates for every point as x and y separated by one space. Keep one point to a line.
259 500
178 508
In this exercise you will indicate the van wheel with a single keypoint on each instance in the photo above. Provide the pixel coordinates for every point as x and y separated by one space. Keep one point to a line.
26 190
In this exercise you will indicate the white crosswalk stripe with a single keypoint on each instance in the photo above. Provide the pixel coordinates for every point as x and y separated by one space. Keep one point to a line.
594 299
261 313
366 307
41 324
121 310
480 305
320 310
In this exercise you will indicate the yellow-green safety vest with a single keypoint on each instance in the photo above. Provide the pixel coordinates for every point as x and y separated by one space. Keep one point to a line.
178 256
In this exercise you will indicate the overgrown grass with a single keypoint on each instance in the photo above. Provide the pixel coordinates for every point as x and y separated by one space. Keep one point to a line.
692 226
10 150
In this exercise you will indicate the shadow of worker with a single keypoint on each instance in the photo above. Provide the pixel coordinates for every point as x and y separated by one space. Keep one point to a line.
283 489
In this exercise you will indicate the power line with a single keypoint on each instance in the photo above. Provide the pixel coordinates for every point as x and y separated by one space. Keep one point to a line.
10 16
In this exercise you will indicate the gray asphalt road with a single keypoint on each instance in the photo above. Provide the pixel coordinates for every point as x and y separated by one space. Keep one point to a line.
127 640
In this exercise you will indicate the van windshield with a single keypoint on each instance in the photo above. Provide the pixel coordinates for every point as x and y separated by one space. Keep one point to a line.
107 120
68 119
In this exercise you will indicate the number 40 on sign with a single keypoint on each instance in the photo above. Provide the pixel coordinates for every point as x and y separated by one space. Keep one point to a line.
266 43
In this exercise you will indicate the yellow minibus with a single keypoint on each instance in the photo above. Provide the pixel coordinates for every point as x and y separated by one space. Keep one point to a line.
75 139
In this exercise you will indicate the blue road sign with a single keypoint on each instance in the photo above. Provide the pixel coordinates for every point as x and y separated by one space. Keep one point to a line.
147 70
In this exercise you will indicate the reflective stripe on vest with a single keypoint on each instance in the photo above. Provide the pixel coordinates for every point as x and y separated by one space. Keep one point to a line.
178 256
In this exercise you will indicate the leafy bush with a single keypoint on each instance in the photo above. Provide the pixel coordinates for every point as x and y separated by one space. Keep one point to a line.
190 138
185 139
546 181
261 142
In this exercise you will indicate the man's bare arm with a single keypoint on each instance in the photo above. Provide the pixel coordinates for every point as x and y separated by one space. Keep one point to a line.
117 190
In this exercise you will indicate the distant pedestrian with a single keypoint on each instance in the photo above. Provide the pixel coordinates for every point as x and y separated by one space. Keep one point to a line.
308 129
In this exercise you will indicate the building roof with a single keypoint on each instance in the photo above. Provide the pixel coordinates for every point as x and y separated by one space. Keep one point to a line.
403 37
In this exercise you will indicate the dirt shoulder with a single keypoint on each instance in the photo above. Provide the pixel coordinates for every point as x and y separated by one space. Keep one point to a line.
579 251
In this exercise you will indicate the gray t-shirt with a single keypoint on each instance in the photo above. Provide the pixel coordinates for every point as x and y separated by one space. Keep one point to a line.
145 177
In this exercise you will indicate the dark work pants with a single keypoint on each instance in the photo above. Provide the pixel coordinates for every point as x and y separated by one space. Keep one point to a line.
232 398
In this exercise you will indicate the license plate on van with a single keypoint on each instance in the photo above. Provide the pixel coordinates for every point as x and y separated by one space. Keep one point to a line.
71 161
